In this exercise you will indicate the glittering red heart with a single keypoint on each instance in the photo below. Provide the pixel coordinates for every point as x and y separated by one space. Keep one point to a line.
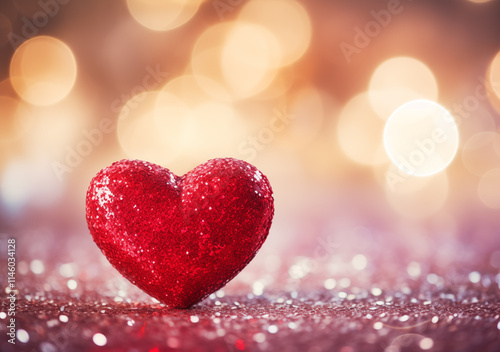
179 239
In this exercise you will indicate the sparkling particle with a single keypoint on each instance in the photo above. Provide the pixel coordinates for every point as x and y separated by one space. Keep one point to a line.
23 267
37 267
173 342
435 319
3 315
240 345
233 210
495 259
376 291
72 284
259 337
48 347
359 262
63 318
378 325
272 329
258 288
301 268
194 319
474 277
346 349
292 325
330 284
426 343
404 318
130 323
433 279
344 282
414 269
22 336
498 325
99 339
68 270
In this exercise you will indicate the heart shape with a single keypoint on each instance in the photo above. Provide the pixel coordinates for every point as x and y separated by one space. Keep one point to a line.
179 239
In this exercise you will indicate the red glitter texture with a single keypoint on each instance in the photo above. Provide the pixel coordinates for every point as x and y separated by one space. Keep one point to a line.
179 239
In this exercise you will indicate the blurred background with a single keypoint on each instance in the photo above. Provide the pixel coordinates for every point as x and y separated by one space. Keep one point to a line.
300 89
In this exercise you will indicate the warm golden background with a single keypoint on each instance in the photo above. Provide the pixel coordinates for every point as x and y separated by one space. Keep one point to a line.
301 89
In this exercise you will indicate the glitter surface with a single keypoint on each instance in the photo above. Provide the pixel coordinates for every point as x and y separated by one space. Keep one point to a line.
303 320
179 238
396 303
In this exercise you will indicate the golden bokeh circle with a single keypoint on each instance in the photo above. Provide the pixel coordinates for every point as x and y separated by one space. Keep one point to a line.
43 70
249 58
493 80
163 15
480 152
421 137
287 20
359 132
489 189
15 119
152 126
399 80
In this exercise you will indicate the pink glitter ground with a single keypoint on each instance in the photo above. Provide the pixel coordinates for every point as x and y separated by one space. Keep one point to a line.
414 307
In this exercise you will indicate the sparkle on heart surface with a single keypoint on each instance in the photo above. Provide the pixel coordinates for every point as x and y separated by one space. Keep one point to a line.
179 238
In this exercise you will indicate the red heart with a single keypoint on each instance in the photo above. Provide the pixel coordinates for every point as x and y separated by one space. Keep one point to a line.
179 239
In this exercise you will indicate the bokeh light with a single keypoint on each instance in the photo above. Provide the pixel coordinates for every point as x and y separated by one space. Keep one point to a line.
20 185
399 80
153 126
480 152
494 78
57 130
163 15
240 57
305 119
15 119
479 1
217 130
292 30
214 127
205 61
249 58
43 70
421 138
359 132
489 189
